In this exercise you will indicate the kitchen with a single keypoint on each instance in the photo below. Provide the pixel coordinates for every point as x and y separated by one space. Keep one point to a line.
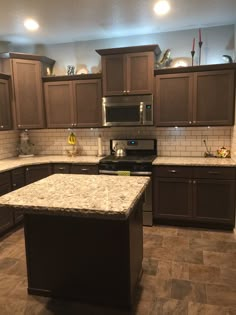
178 287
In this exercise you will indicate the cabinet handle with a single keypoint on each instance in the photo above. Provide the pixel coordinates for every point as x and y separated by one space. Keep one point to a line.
84 169
190 122
61 168
172 171
27 169
214 173
194 181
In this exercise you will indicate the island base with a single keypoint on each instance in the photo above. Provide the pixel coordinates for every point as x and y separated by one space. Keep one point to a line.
95 261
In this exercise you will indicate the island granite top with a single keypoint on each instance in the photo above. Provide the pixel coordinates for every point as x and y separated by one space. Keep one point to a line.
194 161
97 196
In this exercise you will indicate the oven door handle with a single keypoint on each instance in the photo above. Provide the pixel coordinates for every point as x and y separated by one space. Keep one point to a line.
108 172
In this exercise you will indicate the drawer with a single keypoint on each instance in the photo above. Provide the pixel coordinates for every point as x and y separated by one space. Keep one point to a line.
61 168
84 169
172 171
214 172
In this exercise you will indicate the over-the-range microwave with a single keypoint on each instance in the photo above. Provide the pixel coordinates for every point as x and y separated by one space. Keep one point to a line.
134 110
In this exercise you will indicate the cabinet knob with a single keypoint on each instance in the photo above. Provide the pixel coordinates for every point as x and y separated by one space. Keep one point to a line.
194 182
27 169
19 126
14 185
2 126
124 91
128 91
190 122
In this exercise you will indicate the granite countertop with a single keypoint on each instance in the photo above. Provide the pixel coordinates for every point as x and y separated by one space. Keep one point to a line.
98 196
8 164
195 161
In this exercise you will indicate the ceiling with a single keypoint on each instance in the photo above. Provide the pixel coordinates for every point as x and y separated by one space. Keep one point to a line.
64 21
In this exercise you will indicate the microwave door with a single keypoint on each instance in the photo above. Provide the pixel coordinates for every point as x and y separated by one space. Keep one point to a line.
122 115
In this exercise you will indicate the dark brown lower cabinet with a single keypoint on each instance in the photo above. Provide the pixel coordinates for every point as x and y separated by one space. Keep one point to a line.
37 172
61 168
18 181
84 169
202 196
6 215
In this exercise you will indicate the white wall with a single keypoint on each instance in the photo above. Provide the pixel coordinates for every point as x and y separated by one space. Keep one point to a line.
216 42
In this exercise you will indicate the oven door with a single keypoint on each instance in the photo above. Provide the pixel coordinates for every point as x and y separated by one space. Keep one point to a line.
122 114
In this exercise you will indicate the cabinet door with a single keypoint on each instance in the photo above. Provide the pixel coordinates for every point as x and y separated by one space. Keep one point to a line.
172 198
84 169
37 172
18 181
5 106
28 93
6 216
139 72
173 100
214 98
88 103
214 200
60 111
113 75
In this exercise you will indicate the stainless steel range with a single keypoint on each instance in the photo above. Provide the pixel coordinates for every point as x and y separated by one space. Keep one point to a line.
139 155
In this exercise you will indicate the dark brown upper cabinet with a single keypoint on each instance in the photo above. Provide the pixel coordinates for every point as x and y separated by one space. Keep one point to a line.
5 104
59 104
174 99
73 102
213 99
26 71
201 98
129 70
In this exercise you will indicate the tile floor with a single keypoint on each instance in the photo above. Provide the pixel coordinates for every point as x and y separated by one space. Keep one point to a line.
186 271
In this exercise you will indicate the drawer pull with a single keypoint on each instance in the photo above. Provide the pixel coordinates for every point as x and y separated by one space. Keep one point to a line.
172 171
194 181
84 169
14 185
214 173
61 168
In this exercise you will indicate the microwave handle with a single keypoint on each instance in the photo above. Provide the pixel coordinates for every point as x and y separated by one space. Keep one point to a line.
141 113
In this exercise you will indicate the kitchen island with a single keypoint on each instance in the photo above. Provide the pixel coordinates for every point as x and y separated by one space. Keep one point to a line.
83 236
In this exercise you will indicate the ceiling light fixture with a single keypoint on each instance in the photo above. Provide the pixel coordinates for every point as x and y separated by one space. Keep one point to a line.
162 7
31 25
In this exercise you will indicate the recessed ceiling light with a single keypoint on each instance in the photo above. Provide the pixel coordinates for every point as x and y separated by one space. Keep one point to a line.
31 24
162 7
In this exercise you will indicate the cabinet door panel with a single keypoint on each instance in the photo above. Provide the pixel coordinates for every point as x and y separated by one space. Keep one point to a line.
140 73
174 95
214 98
214 200
59 104
5 106
36 172
6 215
113 75
172 198
88 102
28 93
